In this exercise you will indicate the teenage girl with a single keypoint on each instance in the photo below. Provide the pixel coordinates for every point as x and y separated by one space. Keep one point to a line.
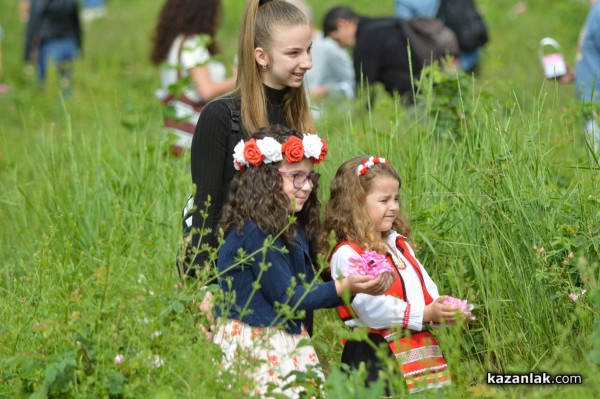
270 292
364 212
273 56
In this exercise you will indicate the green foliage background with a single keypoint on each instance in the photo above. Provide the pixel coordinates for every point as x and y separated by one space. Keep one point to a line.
90 214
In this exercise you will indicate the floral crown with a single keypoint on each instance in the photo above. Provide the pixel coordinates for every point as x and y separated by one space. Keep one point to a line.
268 150
368 164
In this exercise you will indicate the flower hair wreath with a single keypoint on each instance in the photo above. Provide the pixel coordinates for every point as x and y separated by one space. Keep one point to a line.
368 164
268 150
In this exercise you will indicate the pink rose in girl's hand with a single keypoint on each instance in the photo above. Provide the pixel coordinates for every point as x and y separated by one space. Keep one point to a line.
462 304
370 263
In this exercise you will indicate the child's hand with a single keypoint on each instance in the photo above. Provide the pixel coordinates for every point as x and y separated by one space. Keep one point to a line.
361 284
438 312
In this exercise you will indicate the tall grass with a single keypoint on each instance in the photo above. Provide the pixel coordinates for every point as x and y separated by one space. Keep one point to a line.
90 207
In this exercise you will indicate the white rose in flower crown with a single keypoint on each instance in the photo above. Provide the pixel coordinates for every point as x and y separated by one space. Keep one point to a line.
312 146
271 149
238 154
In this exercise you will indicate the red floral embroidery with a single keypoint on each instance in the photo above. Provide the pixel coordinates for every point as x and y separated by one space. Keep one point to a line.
274 360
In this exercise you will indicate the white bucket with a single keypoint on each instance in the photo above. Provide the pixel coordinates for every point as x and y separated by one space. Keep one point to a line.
553 63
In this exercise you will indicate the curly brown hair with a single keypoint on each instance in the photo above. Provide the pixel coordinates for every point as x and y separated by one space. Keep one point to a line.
256 193
346 212
188 18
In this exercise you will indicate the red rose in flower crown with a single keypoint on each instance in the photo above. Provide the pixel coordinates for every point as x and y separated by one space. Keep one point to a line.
252 153
293 149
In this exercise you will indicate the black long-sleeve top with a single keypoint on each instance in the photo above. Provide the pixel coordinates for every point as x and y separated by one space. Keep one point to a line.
381 55
212 161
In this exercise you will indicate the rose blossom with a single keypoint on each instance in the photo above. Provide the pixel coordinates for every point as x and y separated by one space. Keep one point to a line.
238 156
370 263
271 149
323 154
252 153
293 149
464 307
312 146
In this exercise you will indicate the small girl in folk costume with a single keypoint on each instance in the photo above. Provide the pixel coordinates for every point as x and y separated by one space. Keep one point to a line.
364 213
275 180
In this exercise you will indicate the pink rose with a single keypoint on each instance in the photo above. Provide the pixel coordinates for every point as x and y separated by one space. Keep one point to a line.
370 263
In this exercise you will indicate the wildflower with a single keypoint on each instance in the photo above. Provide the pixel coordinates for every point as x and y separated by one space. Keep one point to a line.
370 263
542 250
570 256
573 297
156 361
119 359
155 334
535 247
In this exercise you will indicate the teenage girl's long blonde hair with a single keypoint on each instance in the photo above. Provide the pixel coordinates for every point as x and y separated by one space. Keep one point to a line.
258 25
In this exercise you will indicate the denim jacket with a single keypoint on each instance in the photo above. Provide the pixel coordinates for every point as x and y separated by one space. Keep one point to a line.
275 282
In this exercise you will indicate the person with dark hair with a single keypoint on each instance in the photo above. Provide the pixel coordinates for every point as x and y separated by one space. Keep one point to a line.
184 46
270 291
380 49
54 33
273 57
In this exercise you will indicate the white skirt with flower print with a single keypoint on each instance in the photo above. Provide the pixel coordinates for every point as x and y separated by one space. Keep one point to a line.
267 355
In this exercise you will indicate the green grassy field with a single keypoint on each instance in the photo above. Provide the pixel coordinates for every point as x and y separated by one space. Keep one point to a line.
90 213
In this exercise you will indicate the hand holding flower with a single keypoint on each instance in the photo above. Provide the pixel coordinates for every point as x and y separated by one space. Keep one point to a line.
447 310
365 284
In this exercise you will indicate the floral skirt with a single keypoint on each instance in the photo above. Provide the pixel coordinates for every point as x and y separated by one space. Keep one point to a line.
267 355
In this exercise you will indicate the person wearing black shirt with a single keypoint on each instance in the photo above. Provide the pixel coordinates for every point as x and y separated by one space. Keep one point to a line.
273 56
380 49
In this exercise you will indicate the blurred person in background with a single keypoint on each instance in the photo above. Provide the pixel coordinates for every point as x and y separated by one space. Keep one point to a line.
3 87
53 34
587 76
408 9
184 46
332 74
379 46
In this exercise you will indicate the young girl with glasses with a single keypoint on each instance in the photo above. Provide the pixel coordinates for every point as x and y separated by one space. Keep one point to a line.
270 293
364 213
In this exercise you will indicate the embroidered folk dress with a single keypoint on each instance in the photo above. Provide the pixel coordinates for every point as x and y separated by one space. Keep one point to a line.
388 311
